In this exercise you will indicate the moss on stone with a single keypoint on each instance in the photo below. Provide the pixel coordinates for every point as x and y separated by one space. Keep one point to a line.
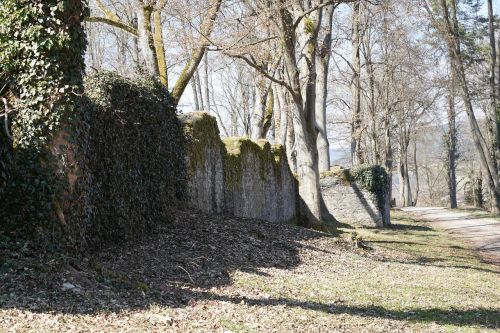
201 132
338 172
237 147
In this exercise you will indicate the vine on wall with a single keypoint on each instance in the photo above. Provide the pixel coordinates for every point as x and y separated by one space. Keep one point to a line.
41 67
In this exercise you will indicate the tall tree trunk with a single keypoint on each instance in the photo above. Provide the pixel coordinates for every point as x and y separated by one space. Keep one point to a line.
160 48
205 79
356 130
146 38
494 122
283 113
259 112
234 124
196 76
388 161
488 164
415 165
371 107
322 63
302 73
452 148
195 93
404 174
291 152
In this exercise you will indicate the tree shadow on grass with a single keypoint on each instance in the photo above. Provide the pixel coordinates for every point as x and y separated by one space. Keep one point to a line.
406 227
165 267
488 318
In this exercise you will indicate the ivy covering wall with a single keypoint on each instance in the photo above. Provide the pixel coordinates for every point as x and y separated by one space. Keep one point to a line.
79 166
41 67
373 178
131 163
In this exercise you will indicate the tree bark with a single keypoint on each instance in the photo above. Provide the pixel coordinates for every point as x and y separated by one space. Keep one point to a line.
303 68
205 79
160 48
146 38
371 106
452 150
259 112
323 61
404 175
486 159
356 130
283 113
415 164
195 93
494 122
197 79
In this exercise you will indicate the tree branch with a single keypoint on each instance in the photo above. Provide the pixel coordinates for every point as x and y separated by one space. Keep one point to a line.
113 23
190 67
254 65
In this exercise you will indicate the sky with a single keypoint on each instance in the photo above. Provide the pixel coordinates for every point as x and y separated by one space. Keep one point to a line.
496 7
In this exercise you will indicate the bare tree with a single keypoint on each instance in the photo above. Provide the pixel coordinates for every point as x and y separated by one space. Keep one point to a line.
446 23
151 43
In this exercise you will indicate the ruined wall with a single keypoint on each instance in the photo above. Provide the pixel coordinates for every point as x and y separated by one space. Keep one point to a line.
205 162
350 202
236 176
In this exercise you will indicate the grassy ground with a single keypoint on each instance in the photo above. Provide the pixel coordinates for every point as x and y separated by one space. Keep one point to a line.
211 274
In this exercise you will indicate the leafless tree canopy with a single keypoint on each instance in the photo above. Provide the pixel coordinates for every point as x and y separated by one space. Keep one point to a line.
410 85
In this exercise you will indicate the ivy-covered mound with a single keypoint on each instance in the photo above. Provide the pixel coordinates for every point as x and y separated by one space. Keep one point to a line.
41 64
131 163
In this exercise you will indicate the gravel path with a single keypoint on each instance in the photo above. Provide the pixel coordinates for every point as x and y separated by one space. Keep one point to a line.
482 232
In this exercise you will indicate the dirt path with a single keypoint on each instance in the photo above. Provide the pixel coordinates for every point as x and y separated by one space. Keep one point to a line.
482 231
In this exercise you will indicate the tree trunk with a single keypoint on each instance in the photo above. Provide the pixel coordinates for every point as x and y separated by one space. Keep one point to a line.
302 73
199 88
356 130
307 168
415 164
371 107
322 63
488 164
195 93
494 122
291 153
192 64
259 112
388 162
404 175
452 150
160 48
205 79
146 39
282 113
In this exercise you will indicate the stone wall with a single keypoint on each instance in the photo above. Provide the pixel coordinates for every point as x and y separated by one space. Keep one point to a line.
205 153
348 202
237 176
